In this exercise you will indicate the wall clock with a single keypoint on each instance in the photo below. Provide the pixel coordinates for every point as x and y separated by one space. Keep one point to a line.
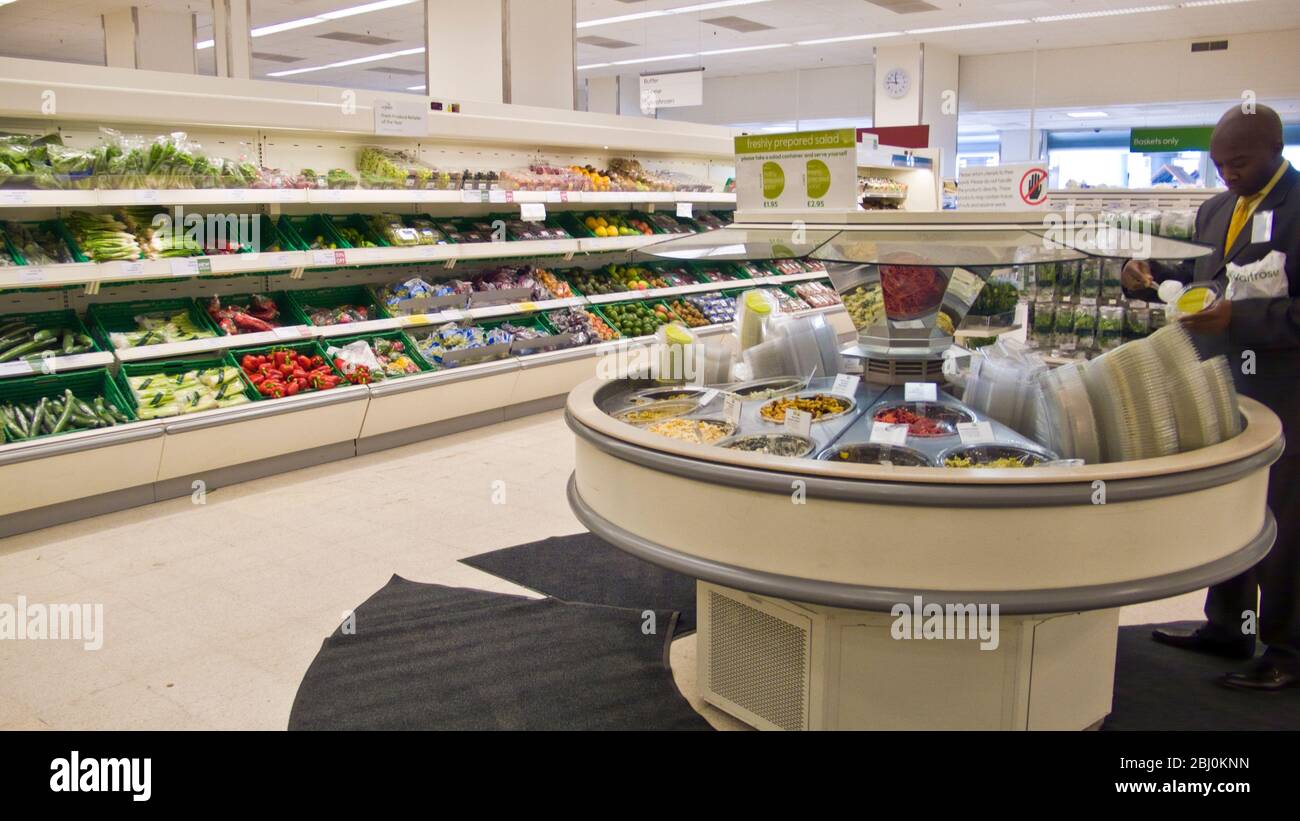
897 82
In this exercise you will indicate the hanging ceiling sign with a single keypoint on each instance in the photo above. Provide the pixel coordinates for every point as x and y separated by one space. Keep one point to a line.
799 171
1161 140
673 90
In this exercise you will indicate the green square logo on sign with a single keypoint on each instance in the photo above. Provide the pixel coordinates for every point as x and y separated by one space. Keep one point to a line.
803 171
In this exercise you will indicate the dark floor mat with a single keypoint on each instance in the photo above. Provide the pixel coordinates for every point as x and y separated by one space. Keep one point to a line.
586 568
1158 687
428 657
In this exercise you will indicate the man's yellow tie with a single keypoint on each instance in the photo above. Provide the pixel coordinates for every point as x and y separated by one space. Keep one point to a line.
1246 207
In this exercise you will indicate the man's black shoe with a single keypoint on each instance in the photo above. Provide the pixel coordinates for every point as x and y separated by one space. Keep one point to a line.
1264 677
1201 642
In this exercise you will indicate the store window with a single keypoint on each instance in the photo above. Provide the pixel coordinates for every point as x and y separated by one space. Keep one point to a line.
978 150
378 45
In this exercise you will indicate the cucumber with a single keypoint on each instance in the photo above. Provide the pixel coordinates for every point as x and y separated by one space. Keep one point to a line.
27 348
44 334
66 414
69 342
38 418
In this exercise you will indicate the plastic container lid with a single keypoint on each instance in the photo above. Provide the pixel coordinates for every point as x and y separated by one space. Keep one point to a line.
1194 298
757 302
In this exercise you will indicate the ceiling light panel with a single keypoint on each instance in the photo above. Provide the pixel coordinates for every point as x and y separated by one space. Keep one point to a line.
737 24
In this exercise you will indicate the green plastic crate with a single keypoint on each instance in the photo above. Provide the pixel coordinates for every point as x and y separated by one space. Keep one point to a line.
467 356
411 350
309 298
170 367
106 318
307 348
271 236
600 309
358 223
51 319
55 227
290 313
307 228
85 385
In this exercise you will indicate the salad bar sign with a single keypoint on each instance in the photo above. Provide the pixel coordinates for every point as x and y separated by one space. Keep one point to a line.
799 171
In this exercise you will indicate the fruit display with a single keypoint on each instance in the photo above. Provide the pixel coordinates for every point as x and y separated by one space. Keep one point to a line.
616 225
713 273
668 224
638 318
865 304
788 303
160 395
911 290
628 175
695 431
279 372
159 329
258 315
556 288
540 177
517 230
689 314
509 279
479 180
601 327
772 444
817 294
670 277
39 243
363 361
451 338
61 414
819 405
595 179
579 324
103 237
462 231
394 231
593 283
716 308
20 337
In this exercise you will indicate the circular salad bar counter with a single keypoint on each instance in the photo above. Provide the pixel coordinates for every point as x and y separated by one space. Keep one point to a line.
934 580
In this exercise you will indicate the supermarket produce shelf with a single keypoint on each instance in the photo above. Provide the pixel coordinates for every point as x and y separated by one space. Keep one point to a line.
56 364
342 196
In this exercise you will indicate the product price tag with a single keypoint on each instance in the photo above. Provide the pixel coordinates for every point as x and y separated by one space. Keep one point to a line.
132 269
975 433
328 195
416 319
453 315
291 332
883 434
470 196
845 384
185 267
148 196
921 392
497 195
526 307
532 211
15 369
798 422
328 257
15 197
686 210
731 408
281 260
31 273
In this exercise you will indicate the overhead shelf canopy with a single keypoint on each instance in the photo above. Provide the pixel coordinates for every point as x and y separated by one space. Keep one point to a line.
934 246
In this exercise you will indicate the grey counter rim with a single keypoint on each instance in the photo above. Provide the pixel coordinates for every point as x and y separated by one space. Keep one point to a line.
102 438
936 495
881 599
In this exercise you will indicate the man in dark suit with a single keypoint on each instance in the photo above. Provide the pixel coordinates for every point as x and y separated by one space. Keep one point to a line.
1255 229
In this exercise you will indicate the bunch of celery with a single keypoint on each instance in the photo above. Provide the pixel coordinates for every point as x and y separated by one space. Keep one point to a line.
160 395
103 237
156 329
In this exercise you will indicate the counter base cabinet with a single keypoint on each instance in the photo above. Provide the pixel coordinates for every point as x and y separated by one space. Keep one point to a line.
778 664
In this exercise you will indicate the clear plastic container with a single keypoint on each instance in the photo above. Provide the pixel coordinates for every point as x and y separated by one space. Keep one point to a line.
1110 327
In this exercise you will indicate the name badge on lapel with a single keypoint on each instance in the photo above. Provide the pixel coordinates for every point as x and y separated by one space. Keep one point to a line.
1261 227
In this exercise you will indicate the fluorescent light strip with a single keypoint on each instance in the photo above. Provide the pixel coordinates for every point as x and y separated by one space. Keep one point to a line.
1087 15
644 15
966 26
686 56
420 87
654 59
1196 4
374 58
746 48
1086 115
828 40
315 20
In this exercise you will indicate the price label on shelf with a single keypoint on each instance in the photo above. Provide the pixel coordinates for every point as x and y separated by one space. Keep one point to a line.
798 422
526 307
328 195
15 369
975 433
472 196
186 267
291 332
497 195
15 197
132 269
452 315
532 211
921 392
148 196
846 384
686 210
28 274
416 319
731 408
328 257
883 434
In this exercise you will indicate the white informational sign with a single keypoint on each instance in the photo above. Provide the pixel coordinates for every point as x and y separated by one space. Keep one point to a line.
798 422
402 118
674 90
845 384
975 433
813 171
708 396
532 212
686 210
731 408
921 392
883 434
1012 187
